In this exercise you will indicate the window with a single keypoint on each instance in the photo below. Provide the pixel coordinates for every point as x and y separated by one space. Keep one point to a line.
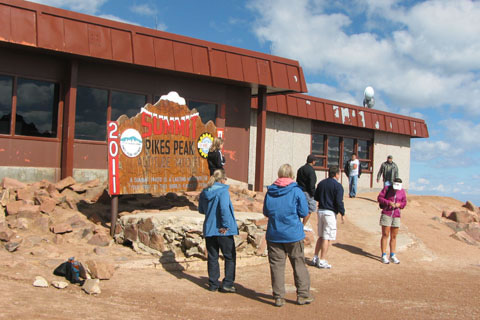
126 103
207 111
37 108
364 154
348 149
6 86
91 114
318 149
333 153
335 150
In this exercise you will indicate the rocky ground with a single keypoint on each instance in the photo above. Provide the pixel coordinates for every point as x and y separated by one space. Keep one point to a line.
45 224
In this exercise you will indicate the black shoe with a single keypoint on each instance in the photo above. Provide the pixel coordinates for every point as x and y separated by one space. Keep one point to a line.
227 289
212 288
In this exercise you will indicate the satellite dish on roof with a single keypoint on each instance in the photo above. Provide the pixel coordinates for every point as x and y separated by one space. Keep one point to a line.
368 99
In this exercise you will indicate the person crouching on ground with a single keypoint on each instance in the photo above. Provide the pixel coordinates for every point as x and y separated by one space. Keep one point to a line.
219 228
284 205
391 199
215 158
329 194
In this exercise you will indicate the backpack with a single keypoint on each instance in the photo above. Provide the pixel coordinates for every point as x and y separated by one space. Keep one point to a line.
72 270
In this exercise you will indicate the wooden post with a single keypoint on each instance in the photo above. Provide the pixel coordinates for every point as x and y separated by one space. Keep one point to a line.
261 133
68 126
114 214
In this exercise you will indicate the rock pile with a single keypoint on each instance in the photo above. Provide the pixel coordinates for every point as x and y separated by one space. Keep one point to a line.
45 211
465 223
177 237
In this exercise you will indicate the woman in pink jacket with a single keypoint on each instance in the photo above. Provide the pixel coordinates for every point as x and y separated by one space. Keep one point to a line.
391 199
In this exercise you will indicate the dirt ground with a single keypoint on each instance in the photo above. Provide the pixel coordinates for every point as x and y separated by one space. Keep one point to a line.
438 278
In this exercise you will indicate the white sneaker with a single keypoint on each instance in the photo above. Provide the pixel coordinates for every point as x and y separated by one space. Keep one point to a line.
323 264
385 259
394 259
315 261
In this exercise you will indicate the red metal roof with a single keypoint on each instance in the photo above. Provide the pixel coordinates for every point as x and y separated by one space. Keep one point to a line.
303 106
40 26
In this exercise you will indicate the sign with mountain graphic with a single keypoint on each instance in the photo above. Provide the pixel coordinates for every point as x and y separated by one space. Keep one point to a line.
161 149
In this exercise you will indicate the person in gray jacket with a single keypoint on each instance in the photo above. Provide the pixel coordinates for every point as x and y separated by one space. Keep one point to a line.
389 171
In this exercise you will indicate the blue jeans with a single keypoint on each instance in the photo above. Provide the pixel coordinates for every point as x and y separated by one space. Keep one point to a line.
352 185
227 245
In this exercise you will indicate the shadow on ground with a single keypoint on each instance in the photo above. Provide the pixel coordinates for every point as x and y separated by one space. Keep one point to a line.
356 250
178 271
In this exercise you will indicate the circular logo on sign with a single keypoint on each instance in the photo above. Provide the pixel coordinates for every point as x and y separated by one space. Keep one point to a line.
131 143
204 143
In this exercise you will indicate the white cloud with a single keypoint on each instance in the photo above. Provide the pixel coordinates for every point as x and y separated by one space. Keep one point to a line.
428 59
115 18
85 6
424 150
144 9
423 181
463 133
329 92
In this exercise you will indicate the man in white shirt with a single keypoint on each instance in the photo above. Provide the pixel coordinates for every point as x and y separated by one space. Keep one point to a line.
353 171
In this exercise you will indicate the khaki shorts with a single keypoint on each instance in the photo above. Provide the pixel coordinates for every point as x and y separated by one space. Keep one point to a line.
327 226
387 221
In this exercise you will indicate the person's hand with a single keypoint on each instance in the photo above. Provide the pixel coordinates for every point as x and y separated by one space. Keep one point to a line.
397 205
343 219
393 205
223 230
378 180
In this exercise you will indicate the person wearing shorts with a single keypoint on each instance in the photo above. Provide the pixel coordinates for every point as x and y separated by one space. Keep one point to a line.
306 180
329 194
391 199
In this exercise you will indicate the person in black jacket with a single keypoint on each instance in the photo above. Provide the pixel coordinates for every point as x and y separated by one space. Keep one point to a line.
215 158
329 194
306 180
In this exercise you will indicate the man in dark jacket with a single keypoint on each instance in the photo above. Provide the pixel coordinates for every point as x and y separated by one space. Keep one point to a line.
353 170
389 171
329 194
306 180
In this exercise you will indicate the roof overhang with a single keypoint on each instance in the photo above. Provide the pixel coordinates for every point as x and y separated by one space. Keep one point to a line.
30 24
308 107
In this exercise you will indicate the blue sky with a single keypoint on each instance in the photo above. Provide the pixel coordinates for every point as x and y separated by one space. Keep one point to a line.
421 57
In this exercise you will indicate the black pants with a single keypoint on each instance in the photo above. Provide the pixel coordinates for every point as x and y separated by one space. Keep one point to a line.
227 245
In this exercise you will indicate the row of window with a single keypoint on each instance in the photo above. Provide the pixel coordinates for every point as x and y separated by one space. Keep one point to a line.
333 150
37 101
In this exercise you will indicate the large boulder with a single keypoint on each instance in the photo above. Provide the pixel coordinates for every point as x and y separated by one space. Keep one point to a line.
465 237
6 234
64 183
462 217
100 269
12 183
92 286
61 228
15 206
470 206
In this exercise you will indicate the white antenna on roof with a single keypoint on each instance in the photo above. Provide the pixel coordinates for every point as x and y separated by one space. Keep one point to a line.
368 99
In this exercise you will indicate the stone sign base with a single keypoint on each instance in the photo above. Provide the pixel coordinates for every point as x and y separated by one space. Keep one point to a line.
176 236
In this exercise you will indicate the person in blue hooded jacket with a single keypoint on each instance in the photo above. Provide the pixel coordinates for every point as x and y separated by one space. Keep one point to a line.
219 228
285 205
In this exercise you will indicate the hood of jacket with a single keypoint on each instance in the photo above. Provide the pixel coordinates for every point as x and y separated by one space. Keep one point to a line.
216 189
278 191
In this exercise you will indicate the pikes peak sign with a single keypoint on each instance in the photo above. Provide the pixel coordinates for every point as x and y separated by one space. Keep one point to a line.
161 149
